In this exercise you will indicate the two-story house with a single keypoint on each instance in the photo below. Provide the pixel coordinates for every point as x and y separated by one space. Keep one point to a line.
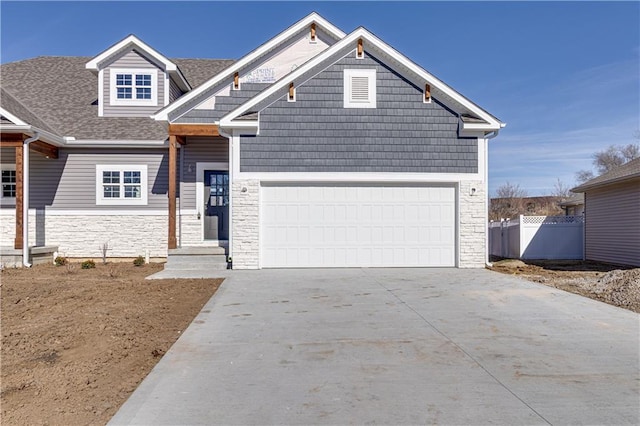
316 149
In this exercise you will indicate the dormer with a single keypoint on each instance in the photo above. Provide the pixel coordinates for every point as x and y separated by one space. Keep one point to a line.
135 80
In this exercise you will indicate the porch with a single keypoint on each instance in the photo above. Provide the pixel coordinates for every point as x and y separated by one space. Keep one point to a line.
11 257
15 187
198 191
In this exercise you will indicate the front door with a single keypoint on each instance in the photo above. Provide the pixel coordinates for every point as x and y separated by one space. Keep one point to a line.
216 208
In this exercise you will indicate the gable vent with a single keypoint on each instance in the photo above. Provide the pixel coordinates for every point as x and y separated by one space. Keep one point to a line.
359 89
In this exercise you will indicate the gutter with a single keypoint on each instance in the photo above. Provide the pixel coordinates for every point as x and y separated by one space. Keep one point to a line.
43 135
488 198
25 197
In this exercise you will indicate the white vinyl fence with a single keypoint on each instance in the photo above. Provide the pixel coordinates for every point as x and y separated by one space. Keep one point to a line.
538 237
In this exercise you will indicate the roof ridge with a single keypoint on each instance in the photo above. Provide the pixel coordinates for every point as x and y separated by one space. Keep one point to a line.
16 99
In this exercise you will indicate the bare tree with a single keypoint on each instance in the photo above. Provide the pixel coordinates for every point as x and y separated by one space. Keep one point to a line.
610 158
510 190
561 190
584 175
508 202
104 248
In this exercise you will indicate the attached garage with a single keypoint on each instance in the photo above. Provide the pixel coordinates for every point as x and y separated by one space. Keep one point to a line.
357 225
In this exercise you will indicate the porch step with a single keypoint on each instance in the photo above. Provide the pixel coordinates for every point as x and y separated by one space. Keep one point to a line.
196 258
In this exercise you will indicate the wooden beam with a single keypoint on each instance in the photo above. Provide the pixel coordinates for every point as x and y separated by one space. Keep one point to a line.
360 48
45 149
173 151
10 144
19 197
11 139
236 80
427 92
193 130
313 31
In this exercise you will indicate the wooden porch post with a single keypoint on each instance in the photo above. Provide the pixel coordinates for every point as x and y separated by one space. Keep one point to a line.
19 196
173 151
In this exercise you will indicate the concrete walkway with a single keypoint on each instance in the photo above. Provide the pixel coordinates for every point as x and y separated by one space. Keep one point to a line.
395 346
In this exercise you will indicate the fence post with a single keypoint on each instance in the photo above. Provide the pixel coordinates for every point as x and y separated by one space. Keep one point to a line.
521 236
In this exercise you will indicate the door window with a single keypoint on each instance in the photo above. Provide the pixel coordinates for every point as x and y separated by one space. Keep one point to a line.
218 189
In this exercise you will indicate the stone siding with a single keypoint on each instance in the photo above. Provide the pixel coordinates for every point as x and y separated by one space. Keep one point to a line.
473 225
82 236
245 225
190 230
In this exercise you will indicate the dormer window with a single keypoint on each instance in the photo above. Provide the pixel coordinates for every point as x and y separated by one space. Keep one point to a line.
133 87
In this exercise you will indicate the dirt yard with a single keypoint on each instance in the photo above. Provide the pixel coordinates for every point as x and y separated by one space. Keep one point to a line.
76 342
599 281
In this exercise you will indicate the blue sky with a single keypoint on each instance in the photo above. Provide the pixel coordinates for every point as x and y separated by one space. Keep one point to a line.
565 77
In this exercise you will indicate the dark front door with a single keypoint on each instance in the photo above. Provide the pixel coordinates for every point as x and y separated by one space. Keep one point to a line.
216 199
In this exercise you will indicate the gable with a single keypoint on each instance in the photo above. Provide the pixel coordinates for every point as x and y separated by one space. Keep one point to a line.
474 121
252 78
132 63
316 133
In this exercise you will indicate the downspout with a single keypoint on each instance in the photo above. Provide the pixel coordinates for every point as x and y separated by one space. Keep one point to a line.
229 137
488 200
181 168
25 198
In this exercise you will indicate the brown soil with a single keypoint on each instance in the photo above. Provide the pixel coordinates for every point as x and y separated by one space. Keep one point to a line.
611 284
76 343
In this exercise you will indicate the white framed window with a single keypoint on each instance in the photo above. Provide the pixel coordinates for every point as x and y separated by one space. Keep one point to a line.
8 189
134 87
360 88
123 185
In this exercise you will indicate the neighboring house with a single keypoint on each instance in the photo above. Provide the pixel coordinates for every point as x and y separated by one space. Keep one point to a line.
574 205
317 149
612 215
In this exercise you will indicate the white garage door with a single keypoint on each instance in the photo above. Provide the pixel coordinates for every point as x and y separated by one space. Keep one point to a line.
357 226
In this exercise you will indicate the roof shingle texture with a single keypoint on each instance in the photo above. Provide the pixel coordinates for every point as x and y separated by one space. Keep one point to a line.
627 171
57 94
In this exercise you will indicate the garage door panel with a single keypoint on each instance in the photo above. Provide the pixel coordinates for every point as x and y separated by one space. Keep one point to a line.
353 226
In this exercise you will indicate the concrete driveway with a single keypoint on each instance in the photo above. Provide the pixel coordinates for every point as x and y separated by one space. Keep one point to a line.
395 346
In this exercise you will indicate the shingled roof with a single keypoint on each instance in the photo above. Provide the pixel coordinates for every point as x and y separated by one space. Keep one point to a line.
57 94
630 170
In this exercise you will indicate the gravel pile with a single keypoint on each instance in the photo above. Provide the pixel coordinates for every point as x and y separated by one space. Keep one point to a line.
618 287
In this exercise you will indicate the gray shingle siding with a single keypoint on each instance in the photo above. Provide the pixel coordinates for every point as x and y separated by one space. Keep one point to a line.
223 104
131 60
317 134
69 182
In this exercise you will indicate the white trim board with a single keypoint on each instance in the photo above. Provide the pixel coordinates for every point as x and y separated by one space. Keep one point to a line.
87 212
13 118
359 177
